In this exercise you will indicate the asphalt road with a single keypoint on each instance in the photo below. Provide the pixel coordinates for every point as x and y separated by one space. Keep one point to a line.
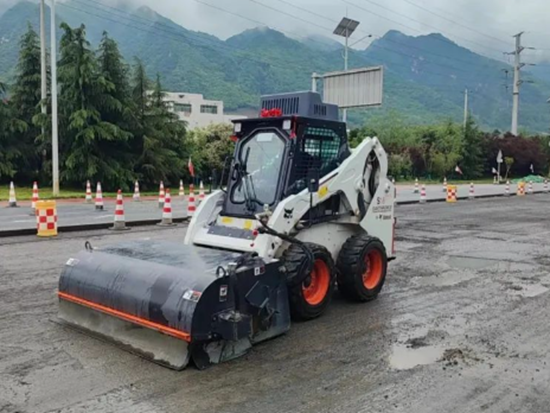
461 326
76 212
405 193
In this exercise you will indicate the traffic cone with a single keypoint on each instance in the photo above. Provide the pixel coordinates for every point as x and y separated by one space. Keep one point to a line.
182 189
161 195
471 193
416 186
507 189
98 198
546 185
191 204
167 210
192 189
201 192
120 221
445 184
423 194
35 197
88 193
530 188
137 196
13 200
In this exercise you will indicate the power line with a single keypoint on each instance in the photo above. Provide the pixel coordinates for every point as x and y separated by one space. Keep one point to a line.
173 36
377 35
417 21
454 68
176 35
453 21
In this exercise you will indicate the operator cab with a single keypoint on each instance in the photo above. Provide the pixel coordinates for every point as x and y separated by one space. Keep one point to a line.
297 138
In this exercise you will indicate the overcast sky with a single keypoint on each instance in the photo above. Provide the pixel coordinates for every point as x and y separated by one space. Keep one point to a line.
485 26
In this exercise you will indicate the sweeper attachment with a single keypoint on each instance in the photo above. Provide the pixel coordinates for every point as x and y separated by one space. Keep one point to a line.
190 295
300 214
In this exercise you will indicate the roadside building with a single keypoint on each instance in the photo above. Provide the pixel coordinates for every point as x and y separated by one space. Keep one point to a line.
197 111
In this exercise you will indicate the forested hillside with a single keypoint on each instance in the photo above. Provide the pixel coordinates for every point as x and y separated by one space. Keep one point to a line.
425 75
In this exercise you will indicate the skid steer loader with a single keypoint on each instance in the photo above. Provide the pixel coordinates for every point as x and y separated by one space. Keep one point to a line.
300 215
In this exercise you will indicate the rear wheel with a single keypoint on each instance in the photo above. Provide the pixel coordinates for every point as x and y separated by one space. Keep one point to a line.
309 294
362 266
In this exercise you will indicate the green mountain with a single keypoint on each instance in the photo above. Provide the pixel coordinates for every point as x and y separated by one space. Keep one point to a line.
425 76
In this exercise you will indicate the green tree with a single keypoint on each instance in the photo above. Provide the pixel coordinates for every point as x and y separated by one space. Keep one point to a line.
211 146
160 137
472 152
509 162
11 150
25 102
92 146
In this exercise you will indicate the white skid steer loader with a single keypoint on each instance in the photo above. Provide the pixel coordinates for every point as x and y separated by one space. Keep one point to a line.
301 214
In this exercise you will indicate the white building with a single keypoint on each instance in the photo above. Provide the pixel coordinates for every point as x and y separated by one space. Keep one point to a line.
197 111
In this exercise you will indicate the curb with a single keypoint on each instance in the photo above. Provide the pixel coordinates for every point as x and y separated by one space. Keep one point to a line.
86 227
465 198
150 222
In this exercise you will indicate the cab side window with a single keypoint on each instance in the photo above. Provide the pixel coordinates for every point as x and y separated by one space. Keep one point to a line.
319 148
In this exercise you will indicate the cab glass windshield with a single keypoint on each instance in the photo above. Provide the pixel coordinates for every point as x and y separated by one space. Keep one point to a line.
261 157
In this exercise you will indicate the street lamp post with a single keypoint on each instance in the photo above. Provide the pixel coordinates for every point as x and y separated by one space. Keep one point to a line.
345 28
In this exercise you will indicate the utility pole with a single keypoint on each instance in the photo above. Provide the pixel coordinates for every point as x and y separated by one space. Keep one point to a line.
517 80
55 144
465 108
44 89
517 67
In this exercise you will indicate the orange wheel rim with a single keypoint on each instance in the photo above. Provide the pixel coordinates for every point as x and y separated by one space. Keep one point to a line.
373 269
316 286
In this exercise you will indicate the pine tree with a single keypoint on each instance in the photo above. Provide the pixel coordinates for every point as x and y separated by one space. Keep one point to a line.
11 150
25 102
160 135
90 144
472 153
115 71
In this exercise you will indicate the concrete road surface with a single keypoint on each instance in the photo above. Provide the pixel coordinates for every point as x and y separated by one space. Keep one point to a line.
75 212
462 325
405 193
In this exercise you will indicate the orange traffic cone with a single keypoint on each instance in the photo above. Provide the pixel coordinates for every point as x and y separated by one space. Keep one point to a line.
423 194
120 221
35 197
201 192
182 189
98 198
191 208
471 193
13 200
416 186
167 210
88 193
161 195
137 196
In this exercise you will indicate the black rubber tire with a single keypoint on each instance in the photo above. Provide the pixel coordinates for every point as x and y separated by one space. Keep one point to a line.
295 262
351 266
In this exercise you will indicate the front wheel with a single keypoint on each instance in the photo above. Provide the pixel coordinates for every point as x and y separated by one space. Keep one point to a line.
362 266
309 294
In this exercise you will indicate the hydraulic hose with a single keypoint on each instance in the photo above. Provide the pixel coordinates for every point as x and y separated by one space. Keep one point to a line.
310 258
